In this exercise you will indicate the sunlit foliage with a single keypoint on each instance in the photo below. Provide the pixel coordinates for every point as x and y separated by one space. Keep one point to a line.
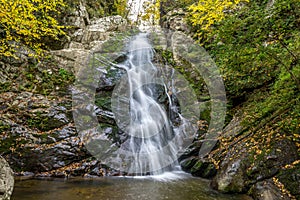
28 23
152 11
121 7
205 13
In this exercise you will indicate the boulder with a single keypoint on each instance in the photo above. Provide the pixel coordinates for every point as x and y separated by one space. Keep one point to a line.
266 190
99 30
6 180
231 178
175 20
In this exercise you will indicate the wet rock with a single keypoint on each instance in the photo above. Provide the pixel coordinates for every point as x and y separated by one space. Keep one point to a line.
191 151
86 168
204 169
241 169
231 178
192 163
234 127
109 78
57 116
188 163
64 133
27 174
105 116
6 180
38 134
266 190
283 153
35 152
238 173
34 110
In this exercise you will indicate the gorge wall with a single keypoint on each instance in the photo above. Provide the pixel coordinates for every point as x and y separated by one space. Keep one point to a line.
39 138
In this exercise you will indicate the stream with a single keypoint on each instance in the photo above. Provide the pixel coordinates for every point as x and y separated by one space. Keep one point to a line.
173 186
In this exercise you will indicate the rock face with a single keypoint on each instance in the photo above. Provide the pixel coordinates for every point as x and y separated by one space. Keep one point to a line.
38 134
266 190
191 163
273 174
98 30
174 20
41 139
79 17
6 180
230 178
238 174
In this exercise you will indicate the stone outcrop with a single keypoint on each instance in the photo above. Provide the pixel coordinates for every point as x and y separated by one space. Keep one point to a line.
266 190
98 30
38 134
271 175
79 17
175 20
6 180
87 40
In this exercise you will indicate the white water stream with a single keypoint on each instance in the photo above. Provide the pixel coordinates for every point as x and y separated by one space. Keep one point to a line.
154 141
137 9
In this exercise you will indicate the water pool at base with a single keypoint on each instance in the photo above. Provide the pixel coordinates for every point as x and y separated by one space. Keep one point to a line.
169 186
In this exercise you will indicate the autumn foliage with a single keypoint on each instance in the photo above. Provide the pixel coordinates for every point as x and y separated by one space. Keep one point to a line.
28 23
205 13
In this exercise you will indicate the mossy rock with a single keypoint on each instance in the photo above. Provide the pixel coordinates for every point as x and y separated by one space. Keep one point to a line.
187 164
290 177
203 169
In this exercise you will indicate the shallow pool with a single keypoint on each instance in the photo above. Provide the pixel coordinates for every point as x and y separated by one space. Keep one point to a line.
173 186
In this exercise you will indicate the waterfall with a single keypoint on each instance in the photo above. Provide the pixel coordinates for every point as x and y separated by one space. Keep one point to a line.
154 107
147 113
137 9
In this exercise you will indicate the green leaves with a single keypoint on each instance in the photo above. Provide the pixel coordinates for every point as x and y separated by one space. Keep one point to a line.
257 49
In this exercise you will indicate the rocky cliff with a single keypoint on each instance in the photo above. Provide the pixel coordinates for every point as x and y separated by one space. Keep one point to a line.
38 134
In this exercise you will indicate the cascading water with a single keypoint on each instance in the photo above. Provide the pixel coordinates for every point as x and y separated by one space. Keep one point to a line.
154 107
137 9
146 112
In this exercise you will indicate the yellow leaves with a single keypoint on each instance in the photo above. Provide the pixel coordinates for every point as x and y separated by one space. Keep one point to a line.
282 188
291 166
207 12
121 6
27 22
258 151
152 12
